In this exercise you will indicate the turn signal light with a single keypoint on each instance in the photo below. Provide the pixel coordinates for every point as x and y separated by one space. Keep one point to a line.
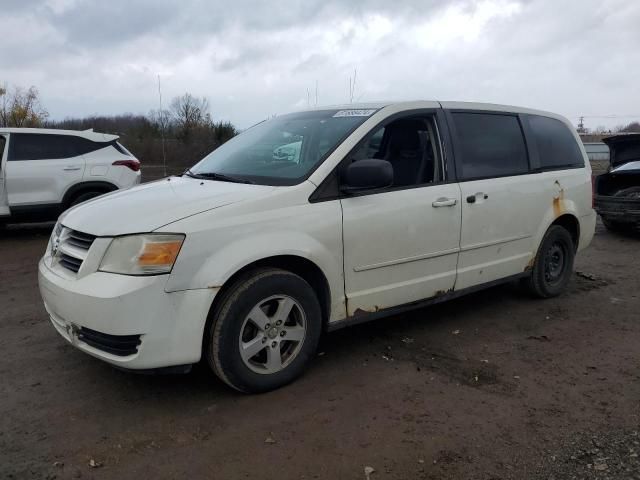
164 253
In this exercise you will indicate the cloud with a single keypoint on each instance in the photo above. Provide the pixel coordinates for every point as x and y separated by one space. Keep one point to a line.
252 58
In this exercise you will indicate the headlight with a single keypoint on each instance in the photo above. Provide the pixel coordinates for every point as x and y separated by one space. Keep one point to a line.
55 238
149 254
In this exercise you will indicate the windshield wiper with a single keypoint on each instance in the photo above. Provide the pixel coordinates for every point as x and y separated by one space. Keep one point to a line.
217 176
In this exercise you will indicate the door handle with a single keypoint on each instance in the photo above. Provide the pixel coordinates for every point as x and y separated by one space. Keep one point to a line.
444 202
71 168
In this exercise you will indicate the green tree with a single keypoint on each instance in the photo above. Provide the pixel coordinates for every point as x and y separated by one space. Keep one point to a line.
21 107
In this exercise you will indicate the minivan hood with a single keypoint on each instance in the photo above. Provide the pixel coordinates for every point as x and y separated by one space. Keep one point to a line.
149 206
623 148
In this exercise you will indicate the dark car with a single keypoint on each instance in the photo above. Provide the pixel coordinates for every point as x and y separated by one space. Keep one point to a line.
617 192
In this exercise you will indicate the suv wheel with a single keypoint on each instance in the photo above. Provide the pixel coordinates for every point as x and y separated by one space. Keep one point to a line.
83 197
553 265
264 331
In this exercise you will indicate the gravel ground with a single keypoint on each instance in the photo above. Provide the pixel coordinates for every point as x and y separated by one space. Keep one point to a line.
492 386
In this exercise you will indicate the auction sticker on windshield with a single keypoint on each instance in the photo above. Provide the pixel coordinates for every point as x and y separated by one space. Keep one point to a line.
355 113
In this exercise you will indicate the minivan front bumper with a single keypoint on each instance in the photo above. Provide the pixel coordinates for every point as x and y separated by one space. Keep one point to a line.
128 321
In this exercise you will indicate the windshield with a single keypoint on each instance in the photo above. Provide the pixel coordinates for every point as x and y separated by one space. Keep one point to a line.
283 150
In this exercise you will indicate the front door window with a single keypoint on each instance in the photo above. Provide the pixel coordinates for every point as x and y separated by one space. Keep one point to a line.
412 147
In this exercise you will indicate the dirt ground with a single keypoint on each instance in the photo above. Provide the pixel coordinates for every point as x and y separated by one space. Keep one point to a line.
492 386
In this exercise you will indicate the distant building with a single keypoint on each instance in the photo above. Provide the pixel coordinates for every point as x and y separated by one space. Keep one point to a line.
596 151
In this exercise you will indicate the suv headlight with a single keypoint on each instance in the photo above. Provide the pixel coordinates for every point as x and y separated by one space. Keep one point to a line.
148 254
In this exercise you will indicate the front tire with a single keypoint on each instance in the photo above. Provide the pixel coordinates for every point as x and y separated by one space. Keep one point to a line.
553 265
264 331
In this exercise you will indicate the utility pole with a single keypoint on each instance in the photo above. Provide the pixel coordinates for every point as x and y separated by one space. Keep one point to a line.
162 120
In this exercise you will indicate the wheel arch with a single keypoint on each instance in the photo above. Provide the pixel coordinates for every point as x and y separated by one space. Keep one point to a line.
83 187
298 265
571 223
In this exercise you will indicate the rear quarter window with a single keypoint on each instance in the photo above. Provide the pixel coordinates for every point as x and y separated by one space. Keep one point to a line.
121 148
557 147
490 145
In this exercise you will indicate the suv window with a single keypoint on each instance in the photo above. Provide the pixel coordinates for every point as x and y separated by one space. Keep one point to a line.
119 147
557 147
412 147
37 146
492 145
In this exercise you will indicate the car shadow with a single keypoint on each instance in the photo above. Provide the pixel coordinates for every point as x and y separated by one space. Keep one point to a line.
201 386
26 230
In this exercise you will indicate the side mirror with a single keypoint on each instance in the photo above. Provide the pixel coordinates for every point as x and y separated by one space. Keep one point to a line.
367 174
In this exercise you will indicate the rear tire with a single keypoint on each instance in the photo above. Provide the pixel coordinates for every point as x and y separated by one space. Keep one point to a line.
553 265
264 331
83 197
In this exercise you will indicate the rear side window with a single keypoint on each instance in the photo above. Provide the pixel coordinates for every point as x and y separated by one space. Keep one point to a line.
492 145
118 146
557 147
33 146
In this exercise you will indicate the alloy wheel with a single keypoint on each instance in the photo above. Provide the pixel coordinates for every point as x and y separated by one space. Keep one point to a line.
272 334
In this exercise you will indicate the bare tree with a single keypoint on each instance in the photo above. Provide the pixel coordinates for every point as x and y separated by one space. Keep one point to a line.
189 112
21 108
631 127
161 119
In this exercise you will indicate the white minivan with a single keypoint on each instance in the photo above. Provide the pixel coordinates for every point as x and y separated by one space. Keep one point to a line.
45 171
245 259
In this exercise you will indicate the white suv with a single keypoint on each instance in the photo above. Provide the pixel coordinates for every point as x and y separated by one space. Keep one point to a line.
43 172
244 260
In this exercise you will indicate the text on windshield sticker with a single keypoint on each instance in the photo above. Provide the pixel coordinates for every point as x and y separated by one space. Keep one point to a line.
355 113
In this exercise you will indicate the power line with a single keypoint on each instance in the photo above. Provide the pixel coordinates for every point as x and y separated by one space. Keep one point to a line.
610 116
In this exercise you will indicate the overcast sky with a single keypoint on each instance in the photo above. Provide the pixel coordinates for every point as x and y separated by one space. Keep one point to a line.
253 59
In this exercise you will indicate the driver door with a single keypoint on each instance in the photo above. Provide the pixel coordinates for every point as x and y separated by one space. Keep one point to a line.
401 244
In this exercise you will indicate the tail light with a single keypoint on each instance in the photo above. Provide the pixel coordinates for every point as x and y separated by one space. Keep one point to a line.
131 164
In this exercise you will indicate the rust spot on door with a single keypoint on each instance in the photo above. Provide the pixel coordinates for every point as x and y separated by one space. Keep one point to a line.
361 311
529 265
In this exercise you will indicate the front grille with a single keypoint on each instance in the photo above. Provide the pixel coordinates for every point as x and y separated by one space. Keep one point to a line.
120 345
69 262
73 248
80 240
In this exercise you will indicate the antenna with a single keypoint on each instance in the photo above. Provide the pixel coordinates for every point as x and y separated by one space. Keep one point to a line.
352 85
161 113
